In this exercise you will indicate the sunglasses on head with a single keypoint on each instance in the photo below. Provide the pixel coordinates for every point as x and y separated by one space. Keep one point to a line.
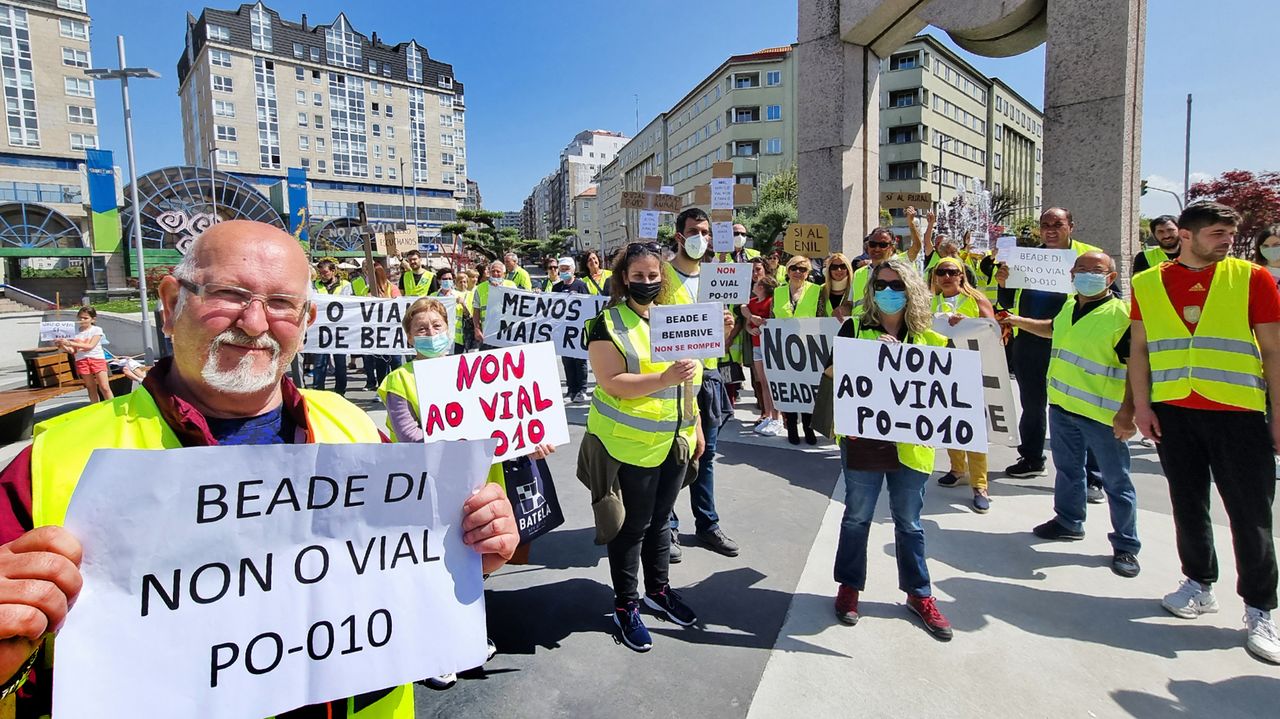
637 248
947 272
879 244
798 268
897 285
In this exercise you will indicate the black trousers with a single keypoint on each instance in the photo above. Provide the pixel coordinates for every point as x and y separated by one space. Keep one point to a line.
575 374
1031 367
648 495
1233 450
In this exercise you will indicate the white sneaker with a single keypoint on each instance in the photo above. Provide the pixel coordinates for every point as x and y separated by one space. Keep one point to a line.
444 681
762 427
1264 641
773 428
1191 600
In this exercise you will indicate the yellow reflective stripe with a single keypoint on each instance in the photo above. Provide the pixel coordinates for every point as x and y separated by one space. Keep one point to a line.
628 349
1242 379
1089 365
637 423
1076 393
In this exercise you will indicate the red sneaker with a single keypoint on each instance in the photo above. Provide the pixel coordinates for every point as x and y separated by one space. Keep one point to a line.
847 605
927 609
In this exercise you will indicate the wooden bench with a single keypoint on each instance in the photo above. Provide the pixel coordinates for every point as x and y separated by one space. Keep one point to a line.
18 409
50 374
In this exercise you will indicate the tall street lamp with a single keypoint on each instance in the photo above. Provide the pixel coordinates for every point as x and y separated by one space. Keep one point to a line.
941 143
123 74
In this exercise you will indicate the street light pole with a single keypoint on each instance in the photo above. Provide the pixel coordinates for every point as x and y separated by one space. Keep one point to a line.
1186 157
123 74
941 141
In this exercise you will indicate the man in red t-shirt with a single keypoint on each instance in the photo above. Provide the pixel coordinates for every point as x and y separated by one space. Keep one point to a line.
1212 329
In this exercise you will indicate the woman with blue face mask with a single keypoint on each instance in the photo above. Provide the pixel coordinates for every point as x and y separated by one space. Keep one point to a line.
896 309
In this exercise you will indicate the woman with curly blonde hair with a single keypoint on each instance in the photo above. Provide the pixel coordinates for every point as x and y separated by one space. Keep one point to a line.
896 304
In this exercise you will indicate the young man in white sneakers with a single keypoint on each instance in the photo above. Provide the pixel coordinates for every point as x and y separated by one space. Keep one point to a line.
1205 342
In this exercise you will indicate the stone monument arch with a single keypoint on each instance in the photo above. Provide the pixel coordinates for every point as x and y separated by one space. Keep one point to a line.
1092 103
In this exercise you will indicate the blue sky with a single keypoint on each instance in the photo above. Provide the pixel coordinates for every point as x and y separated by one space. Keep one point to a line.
538 72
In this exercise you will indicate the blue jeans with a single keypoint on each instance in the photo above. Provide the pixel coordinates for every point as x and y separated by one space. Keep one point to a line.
320 368
906 498
1070 437
702 492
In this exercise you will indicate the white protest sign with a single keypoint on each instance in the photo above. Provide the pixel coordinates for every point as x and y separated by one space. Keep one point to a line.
248 581
983 336
725 282
511 395
516 317
916 394
58 330
686 331
722 193
721 237
1005 244
1037 268
364 325
648 224
796 352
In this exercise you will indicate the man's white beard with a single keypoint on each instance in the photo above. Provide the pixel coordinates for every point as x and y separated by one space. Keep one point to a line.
243 378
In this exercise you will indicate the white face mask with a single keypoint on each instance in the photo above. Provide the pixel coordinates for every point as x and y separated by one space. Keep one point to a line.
739 241
695 246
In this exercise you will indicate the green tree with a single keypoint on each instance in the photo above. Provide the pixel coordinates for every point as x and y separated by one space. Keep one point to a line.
886 217
666 233
777 202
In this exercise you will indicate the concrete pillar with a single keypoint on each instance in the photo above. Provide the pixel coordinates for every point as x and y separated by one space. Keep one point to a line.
1093 119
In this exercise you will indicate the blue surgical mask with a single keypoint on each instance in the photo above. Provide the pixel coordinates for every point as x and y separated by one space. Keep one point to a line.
1089 284
891 301
566 276
433 346
446 284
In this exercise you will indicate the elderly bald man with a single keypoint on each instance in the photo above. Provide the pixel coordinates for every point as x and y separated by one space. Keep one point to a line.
1090 407
236 309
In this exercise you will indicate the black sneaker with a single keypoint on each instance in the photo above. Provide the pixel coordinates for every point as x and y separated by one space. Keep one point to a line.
631 629
676 553
948 480
1093 494
1023 468
668 602
716 541
1053 530
1125 564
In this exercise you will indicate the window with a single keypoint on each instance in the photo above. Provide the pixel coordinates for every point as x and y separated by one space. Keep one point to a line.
299 74
391 131
315 77
773 146
82 141
377 129
905 61
377 172
319 122
74 29
446 158
746 80
300 97
299 51
315 57
997 160
304 142
746 114
773 112
902 135
373 67
413 63
999 132
77 115
904 170
377 151
446 140
391 152
302 119
72 57
341 45
228 157
218 32
771 78
220 58
224 108
375 108
260 28
902 98
446 120
448 178
77 87
317 99
391 111
225 133
319 144
457 116
306 163
746 148
446 82
391 172
1037 154
320 165
446 101
76 5
222 83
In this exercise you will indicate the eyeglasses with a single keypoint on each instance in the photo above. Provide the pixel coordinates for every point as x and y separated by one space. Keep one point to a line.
947 272
897 285
229 298
842 268
798 268
878 244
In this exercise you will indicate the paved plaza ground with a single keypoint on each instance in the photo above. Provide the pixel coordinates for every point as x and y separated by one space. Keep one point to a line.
1043 629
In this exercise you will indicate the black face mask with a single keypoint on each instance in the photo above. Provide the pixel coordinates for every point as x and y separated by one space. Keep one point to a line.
644 293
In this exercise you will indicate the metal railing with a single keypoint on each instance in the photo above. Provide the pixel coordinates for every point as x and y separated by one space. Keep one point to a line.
27 297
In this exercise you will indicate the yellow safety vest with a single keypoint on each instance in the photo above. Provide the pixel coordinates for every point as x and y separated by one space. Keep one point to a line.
677 294
780 274
807 306
342 285
592 287
402 382
1085 375
640 431
986 284
61 450
1155 256
1220 361
480 298
915 456
410 285
519 277
359 286
967 307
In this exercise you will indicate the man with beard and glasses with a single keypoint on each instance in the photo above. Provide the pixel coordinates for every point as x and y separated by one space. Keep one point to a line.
236 309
